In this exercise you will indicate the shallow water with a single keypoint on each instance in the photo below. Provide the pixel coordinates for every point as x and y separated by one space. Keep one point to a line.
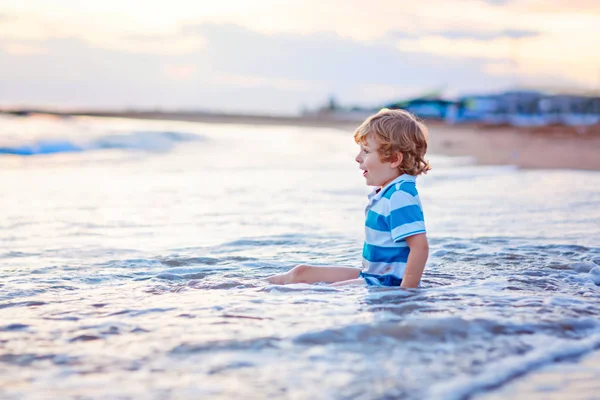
132 258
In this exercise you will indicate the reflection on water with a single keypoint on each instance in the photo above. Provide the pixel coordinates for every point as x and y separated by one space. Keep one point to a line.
136 271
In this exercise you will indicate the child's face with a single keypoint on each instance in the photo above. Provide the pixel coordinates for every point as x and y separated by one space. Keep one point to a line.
376 172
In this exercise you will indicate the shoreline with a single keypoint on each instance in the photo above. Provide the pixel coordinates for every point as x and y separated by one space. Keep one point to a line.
528 148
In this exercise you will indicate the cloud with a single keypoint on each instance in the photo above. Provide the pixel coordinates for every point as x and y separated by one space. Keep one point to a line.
4 17
324 57
20 48
469 34
497 2
154 44
506 33
549 5
236 69
571 7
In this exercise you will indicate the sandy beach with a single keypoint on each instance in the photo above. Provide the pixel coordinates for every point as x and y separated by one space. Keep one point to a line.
532 148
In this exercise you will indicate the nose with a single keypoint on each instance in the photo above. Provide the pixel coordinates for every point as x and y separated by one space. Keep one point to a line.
358 157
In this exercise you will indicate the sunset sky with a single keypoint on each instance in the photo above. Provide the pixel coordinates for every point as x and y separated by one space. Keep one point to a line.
273 56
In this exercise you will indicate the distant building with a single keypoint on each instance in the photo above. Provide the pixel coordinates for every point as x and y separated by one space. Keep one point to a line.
529 108
526 108
424 107
473 108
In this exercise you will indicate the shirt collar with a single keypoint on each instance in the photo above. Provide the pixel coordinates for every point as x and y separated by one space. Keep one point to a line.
378 192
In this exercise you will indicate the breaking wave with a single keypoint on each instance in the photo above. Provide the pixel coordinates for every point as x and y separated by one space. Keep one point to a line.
138 141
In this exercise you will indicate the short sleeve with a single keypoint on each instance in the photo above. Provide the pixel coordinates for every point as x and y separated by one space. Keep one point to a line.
406 215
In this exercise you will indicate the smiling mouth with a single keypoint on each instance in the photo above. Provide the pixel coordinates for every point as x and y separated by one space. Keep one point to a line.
365 172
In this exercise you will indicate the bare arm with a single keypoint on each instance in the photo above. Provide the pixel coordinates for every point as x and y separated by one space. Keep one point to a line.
419 251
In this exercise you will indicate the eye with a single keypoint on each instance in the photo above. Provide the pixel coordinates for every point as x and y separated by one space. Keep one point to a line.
366 151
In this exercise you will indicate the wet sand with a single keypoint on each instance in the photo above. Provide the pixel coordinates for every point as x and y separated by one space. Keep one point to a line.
526 148
532 148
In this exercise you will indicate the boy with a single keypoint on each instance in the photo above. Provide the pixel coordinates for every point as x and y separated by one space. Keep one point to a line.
392 146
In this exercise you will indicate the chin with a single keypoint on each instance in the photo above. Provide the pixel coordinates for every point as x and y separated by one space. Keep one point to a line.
370 182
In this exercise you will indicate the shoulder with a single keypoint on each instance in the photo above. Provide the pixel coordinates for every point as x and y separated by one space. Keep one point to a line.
402 194
401 188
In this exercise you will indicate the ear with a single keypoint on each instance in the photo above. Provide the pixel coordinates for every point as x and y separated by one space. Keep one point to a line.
396 163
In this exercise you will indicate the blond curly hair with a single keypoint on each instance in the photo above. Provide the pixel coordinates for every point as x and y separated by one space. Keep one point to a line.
397 131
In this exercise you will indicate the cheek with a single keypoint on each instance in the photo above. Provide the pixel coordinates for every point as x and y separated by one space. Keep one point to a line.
370 160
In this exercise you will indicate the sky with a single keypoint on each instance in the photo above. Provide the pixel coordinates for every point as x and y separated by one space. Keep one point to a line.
278 57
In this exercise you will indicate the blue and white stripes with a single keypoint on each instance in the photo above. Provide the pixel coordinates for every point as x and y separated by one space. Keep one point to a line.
393 214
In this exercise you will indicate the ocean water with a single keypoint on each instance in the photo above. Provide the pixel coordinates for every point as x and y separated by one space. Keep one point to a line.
133 256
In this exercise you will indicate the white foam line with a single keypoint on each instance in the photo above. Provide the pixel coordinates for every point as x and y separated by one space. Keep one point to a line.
502 372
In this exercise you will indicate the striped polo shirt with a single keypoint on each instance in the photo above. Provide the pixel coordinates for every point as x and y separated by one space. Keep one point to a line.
393 214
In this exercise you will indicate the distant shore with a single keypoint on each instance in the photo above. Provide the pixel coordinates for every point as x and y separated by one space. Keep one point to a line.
532 148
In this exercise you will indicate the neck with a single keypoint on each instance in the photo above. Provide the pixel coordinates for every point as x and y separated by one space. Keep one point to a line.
389 180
